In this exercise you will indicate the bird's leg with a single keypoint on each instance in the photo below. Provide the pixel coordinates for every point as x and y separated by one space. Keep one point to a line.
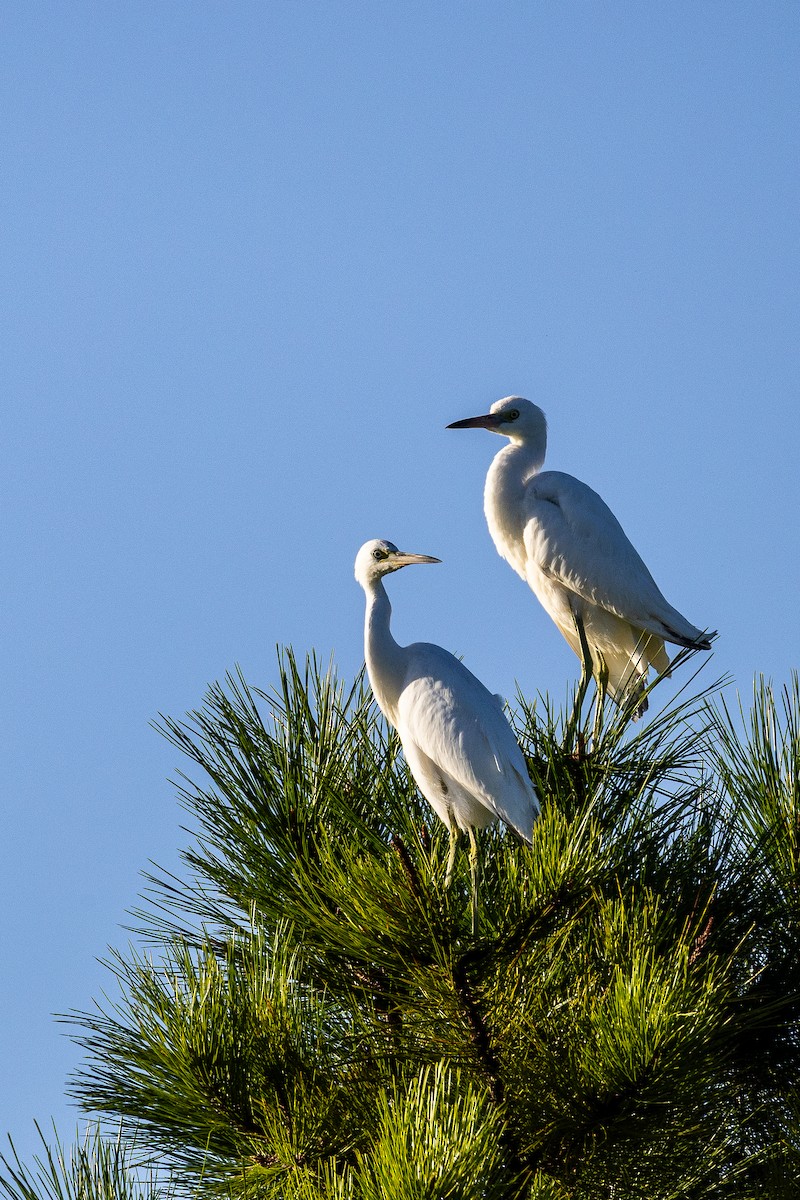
587 663
587 671
473 870
451 857
600 699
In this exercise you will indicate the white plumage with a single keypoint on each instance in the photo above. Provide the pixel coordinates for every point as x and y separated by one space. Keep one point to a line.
458 744
565 542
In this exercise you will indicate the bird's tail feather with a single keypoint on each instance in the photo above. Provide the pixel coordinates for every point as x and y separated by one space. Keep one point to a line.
702 642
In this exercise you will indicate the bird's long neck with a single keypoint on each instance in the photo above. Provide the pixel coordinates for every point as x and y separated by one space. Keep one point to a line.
383 656
503 496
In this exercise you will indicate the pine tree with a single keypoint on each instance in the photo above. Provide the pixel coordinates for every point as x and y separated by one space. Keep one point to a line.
313 1019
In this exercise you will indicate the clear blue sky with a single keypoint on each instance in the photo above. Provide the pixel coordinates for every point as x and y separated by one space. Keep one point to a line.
255 257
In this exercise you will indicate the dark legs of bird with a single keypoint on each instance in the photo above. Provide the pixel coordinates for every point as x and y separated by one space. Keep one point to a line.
587 671
473 871
587 663
600 699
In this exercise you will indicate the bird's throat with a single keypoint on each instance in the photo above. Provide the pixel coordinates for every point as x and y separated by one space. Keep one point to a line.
382 654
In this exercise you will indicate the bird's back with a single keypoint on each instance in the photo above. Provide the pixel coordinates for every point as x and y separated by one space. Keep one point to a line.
573 539
456 733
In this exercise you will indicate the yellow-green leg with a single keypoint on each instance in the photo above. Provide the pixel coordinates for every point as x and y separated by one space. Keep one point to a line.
473 871
451 857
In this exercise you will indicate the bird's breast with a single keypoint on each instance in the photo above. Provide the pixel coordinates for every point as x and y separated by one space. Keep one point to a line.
506 531
504 506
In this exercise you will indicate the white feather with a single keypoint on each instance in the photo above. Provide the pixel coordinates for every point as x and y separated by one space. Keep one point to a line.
458 744
568 546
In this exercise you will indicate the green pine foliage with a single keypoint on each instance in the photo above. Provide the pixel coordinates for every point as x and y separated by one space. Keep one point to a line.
313 1019
95 1168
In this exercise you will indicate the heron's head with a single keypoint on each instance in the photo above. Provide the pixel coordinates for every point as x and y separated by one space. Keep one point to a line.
512 417
378 557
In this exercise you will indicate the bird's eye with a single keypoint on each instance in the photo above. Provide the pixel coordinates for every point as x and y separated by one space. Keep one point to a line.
513 415
379 555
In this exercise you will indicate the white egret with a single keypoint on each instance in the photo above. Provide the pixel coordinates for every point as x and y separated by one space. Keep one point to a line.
568 546
459 746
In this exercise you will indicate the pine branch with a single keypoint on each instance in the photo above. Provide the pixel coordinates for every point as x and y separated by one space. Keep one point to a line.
319 1022
94 1169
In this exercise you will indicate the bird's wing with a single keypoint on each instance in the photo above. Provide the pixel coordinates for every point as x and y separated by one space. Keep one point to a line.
460 726
572 536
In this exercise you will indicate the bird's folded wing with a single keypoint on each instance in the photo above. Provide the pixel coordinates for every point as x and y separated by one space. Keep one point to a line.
572 536
460 727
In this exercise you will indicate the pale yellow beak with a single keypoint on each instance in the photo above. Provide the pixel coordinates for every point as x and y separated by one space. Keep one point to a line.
405 560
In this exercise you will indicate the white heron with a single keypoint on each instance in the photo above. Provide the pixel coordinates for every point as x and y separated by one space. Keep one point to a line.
568 546
459 746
